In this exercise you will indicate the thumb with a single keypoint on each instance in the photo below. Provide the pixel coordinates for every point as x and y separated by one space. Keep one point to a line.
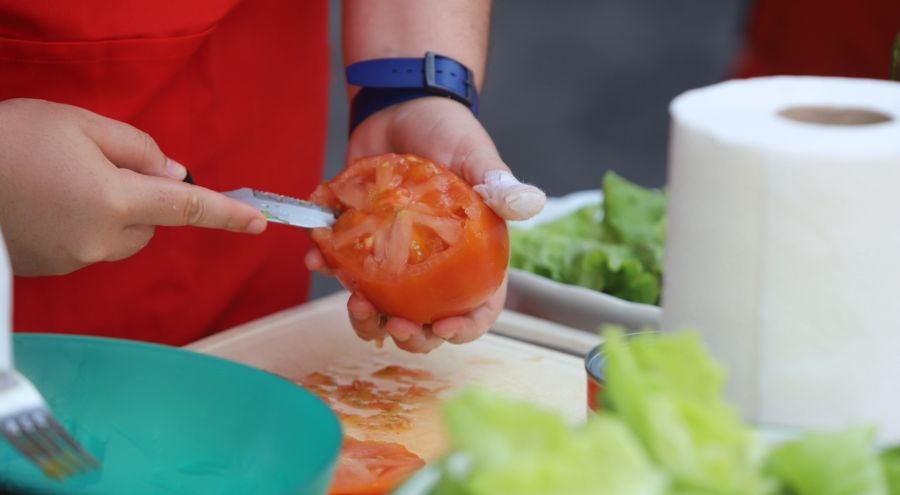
482 167
157 201
506 195
129 147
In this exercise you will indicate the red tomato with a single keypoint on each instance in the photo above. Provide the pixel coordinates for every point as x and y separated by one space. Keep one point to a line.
413 238
372 468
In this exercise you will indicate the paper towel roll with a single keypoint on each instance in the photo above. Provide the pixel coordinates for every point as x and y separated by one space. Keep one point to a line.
783 244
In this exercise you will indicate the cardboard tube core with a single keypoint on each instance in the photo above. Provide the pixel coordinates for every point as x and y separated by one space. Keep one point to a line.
836 116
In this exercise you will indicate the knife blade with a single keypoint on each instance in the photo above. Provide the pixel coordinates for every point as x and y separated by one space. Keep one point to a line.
285 209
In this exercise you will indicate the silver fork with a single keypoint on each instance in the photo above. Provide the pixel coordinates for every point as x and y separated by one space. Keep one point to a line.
25 420
28 424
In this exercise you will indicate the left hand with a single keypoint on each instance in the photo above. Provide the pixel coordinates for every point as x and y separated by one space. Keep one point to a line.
445 132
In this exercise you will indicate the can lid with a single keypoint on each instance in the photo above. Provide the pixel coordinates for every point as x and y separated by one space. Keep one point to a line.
594 363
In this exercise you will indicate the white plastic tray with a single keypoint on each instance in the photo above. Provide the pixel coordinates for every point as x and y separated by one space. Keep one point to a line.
573 306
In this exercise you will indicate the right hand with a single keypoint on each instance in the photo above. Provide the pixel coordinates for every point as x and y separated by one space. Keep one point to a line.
78 188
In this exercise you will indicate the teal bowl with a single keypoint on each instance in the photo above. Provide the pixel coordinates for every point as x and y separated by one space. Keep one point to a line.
163 420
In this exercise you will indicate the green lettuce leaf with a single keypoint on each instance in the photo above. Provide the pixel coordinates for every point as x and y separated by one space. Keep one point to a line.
830 463
669 392
615 248
635 216
665 430
890 464
517 448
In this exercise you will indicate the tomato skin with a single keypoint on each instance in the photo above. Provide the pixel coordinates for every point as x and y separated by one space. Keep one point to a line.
455 279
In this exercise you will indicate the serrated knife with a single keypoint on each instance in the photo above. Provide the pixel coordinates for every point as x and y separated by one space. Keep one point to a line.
285 209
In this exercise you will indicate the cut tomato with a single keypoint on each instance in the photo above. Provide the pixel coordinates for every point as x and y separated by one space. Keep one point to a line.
372 468
413 238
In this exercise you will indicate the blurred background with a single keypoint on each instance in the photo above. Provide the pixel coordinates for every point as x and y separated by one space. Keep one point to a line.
579 87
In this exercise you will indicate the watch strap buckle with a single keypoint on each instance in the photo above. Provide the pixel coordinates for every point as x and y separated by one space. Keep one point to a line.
433 86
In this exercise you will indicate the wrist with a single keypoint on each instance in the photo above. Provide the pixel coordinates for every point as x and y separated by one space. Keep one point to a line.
389 81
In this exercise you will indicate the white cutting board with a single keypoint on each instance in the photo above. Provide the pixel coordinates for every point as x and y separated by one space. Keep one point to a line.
318 337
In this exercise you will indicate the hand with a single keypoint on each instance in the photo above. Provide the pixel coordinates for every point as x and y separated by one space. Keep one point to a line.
445 132
77 188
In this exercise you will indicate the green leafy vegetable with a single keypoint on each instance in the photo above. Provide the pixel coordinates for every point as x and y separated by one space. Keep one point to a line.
635 217
665 429
840 463
669 391
516 448
615 248
890 463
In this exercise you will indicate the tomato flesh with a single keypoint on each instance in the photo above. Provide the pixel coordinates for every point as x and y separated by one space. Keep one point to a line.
412 237
372 468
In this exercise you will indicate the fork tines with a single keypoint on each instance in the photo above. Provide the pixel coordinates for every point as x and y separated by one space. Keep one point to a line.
38 436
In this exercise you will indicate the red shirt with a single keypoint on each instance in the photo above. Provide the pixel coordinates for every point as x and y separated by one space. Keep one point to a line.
234 89
851 38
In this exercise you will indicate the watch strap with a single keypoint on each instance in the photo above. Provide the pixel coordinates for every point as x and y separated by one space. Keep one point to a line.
388 81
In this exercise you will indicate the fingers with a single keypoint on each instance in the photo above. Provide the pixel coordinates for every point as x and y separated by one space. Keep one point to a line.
315 262
367 322
128 147
370 324
411 337
463 329
492 179
164 202
510 198
157 201
474 157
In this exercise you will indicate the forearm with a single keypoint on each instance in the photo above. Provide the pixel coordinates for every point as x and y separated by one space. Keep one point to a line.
409 28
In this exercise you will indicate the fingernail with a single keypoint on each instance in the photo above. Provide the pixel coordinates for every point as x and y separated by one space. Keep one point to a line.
445 335
401 336
527 202
256 226
175 170
361 316
510 198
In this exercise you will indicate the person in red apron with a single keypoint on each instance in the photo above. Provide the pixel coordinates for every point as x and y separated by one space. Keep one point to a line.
849 38
102 101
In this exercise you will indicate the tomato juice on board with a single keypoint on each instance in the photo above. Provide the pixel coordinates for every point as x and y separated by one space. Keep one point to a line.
385 399
412 237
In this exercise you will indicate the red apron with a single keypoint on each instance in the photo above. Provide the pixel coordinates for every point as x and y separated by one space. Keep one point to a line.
234 89
851 38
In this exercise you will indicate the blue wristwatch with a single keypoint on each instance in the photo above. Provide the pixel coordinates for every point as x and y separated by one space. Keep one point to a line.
388 81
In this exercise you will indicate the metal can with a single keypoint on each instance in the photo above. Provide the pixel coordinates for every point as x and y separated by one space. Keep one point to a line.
593 365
